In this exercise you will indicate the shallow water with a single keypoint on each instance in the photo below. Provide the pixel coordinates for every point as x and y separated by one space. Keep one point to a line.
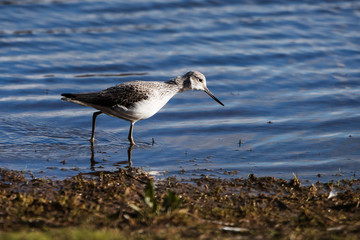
287 71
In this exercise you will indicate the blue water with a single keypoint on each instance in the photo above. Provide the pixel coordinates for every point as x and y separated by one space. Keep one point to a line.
288 73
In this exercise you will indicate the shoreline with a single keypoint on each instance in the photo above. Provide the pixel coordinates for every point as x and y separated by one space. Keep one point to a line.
130 203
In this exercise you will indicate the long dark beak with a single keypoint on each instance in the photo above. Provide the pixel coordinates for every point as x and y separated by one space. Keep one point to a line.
212 95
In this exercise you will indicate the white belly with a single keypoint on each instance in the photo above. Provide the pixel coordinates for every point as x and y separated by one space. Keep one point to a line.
141 110
147 108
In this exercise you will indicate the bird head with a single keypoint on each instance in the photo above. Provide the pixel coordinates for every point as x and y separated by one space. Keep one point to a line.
195 80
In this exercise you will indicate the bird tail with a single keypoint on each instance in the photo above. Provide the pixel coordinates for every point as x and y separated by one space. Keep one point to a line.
68 95
78 98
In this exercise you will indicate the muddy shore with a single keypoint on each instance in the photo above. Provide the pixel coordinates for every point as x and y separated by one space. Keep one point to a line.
138 207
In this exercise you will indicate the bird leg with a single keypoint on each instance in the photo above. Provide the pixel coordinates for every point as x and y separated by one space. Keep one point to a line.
130 137
92 139
129 154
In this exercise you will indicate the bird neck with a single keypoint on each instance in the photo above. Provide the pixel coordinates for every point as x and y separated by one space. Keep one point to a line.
181 84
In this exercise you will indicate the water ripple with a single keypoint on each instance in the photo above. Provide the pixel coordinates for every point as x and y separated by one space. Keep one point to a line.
287 73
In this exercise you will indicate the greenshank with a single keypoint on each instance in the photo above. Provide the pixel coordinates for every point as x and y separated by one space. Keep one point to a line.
137 100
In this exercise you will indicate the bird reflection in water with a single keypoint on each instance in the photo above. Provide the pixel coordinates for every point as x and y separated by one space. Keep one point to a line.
93 162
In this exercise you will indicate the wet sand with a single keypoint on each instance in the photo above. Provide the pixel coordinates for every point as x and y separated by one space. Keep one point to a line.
135 206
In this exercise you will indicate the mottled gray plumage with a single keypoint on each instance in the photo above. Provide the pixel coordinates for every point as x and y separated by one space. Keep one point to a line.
137 100
123 94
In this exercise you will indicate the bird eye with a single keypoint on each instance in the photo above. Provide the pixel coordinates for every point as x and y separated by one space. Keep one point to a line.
200 80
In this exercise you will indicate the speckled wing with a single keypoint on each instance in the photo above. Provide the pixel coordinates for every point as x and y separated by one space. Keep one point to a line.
125 94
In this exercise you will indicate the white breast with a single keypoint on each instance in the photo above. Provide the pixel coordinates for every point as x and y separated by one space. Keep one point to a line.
147 108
